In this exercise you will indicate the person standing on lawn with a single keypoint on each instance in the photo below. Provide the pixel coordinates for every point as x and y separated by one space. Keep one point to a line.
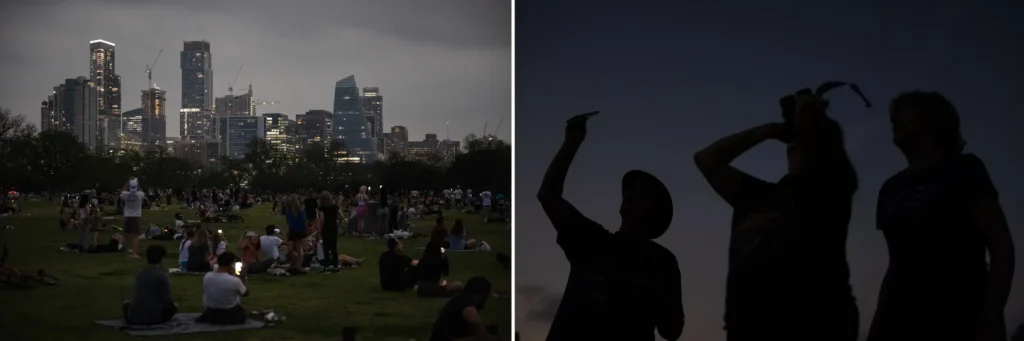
133 197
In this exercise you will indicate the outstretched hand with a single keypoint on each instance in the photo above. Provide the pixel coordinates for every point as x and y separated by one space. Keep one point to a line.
576 127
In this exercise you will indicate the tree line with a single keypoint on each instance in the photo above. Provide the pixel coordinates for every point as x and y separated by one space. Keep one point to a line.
54 161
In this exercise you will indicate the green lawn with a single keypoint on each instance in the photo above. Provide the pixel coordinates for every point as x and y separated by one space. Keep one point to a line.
317 306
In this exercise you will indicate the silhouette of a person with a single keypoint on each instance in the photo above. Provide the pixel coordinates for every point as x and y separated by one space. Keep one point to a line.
939 216
788 275
623 285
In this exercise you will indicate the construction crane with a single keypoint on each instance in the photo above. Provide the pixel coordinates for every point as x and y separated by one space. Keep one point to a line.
149 68
231 86
499 126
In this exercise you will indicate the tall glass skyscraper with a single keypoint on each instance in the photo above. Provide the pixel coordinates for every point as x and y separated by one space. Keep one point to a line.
102 73
349 124
197 75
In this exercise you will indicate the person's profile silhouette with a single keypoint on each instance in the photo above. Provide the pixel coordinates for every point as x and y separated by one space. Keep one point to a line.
623 285
941 217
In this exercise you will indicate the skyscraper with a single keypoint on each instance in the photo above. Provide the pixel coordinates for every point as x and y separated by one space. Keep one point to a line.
236 132
108 87
349 124
102 73
154 117
313 126
373 110
58 111
196 91
132 126
280 131
197 75
399 141
240 105
194 124
82 95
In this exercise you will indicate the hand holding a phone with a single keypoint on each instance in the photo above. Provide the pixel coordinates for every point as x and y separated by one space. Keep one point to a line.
576 127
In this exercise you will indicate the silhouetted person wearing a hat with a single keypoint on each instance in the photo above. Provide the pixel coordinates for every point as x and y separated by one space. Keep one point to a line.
788 275
622 285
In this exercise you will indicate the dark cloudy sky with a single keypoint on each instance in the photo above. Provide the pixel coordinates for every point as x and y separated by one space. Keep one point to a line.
671 78
436 61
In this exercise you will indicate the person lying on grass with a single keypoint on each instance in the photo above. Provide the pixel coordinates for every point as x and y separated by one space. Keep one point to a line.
115 244
434 265
459 319
223 290
151 299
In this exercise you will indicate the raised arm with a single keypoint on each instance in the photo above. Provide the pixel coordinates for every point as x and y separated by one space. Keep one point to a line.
561 213
715 161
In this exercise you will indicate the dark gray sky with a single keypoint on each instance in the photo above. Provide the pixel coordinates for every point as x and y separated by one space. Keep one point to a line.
670 79
435 62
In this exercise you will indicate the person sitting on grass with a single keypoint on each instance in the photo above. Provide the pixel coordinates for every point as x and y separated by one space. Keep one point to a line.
219 245
205 213
457 238
199 252
179 226
459 319
398 272
250 248
151 301
67 218
223 290
270 247
434 265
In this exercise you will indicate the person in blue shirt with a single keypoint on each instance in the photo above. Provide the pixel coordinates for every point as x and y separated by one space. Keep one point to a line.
296 218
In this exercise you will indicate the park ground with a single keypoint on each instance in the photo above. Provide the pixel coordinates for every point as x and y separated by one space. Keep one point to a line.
317 306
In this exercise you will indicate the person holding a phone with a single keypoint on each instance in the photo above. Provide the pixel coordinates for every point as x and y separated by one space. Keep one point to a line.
789 233
622 295
223 290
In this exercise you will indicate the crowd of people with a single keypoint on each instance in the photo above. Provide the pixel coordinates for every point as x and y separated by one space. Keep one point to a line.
951 256
313 223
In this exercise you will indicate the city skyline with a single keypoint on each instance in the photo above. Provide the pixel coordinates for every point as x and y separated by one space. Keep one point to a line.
469 57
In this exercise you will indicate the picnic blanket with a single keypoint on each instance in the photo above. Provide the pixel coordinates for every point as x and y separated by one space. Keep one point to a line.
179 271
450 250
180 324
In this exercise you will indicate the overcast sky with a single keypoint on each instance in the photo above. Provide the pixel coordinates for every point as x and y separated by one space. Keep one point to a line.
671 78
435 61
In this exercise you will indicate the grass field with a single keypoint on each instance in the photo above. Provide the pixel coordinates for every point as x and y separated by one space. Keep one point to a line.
317 306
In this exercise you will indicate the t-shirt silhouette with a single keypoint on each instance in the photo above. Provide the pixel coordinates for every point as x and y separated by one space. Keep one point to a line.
937 258
392 269
791 272
450 323
310 205
330 217
619 288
